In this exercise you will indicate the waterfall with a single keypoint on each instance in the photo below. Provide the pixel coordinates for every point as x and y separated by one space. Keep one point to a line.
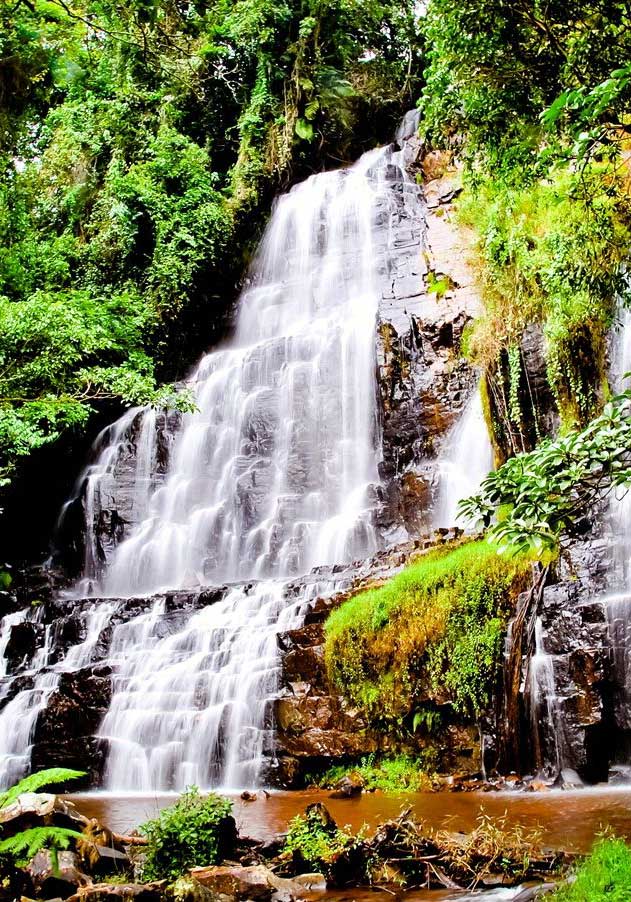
466 458
618 605
545 711
274 474
120 478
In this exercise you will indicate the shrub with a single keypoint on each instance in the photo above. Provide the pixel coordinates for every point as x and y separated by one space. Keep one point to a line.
314 840
431 634
197 830
604 876
400 773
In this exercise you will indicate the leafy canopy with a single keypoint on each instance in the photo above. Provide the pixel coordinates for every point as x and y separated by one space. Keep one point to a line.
140 144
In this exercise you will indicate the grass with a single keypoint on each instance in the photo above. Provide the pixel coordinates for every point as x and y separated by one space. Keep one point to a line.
430 636
604 876
400 773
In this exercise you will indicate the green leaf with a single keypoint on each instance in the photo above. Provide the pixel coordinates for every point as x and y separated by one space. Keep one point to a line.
304 130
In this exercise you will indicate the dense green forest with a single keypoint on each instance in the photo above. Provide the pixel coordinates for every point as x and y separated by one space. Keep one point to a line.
142 143
140 147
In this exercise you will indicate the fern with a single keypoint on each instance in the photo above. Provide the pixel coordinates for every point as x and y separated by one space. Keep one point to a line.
49 777
26 844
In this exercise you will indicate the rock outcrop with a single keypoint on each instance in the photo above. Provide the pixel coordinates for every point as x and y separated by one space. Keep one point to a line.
424 380
316 727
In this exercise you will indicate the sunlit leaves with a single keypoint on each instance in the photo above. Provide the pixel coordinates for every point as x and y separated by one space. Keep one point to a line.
541 497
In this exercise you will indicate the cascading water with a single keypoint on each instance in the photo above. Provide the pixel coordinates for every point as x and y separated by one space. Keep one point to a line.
273 475
466 459
618 605
122 477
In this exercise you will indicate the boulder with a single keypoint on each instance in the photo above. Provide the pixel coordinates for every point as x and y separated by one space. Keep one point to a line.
255 883
125 892
351 784
50 881
36 809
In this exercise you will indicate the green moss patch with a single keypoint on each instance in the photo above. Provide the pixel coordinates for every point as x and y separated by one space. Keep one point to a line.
430 636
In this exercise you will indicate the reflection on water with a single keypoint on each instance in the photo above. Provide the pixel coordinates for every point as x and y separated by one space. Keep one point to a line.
568 820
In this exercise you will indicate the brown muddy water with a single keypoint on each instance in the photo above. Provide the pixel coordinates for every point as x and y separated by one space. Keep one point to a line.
566 820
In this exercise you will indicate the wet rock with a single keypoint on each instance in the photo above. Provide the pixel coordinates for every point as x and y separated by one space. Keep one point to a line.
50 881
24 640
350 785
65 730
305 664
35 809
311 882
125 892
256 883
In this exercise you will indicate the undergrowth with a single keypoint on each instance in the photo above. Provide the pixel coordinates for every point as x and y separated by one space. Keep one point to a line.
196 830
400 773
604 876
314 840
430 636
551 252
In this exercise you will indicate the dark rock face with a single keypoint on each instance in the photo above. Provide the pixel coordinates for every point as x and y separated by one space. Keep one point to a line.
423 379
65 730
537 415
574 702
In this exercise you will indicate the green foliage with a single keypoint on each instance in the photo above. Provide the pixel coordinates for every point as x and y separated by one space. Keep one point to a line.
552 252
400 773
24 845
593 115
434 631
315 841
139 145
504 73
191 832
547 492
52 776
604 876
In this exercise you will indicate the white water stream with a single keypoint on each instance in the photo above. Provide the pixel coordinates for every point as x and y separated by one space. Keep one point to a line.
467 457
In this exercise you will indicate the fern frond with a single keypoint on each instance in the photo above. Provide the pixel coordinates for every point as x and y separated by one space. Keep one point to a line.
24 845
33 782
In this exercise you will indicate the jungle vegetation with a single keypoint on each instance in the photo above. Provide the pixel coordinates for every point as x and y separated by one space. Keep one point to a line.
140 146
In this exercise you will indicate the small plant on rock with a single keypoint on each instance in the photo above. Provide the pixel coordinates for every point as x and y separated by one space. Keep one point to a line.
197 830
314 841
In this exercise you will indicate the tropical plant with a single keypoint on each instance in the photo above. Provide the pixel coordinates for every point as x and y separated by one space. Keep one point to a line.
23 845
543 496
196 830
